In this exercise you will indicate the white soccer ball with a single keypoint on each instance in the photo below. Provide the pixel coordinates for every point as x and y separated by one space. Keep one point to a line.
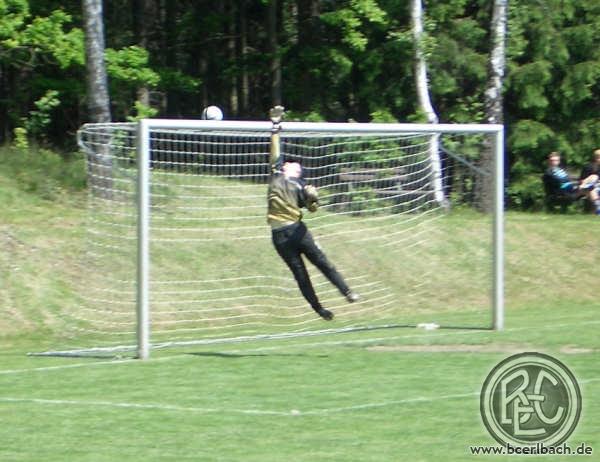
212 113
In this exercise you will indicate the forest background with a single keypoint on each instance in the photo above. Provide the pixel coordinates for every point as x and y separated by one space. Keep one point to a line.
325 60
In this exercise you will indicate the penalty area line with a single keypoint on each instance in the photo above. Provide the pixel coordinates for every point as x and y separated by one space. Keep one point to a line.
147 406
257 412
88 364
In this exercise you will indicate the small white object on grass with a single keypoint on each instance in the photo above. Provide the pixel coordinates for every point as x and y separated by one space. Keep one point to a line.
428 325
295 412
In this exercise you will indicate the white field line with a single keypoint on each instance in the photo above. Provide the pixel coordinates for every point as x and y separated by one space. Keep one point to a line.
260 412
298 345
85 364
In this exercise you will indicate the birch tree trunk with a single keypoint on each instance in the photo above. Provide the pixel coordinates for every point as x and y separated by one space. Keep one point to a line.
98 101
422 86
493 94
494 112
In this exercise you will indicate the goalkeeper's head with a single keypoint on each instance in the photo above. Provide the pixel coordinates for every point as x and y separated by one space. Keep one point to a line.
292 170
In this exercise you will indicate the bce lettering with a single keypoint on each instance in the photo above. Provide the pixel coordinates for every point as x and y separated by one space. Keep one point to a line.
518 403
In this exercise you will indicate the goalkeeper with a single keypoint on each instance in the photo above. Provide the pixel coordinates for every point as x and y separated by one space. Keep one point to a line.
287 194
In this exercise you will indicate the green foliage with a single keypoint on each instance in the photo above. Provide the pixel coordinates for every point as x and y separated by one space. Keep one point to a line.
466 109
579 85
383 116
24 39
13 14
530 82
526 193
49 35
552 87
39 56
349 19
43 172
130 65
128 70
40 118
340 66
345 60
21 141
142 112
312 116
170 79
529 136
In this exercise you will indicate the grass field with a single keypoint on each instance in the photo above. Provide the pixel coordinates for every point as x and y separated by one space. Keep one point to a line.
396 394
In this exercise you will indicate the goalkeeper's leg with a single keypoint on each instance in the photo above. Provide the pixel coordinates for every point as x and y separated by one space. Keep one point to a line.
287 248
316 256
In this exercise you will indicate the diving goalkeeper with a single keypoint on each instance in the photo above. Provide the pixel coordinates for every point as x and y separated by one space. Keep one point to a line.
287 194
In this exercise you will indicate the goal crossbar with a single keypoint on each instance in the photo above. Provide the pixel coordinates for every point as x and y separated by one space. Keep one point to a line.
146 126
330 127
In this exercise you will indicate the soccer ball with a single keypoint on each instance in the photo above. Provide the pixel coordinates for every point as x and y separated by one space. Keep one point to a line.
212 113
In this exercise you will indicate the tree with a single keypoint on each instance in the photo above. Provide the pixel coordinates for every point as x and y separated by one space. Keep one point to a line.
98 100
494 111
422 86
421 81
143 14
552 89
39 60
494 108
274 50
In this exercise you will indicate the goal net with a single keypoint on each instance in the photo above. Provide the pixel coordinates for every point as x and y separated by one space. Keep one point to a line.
179 250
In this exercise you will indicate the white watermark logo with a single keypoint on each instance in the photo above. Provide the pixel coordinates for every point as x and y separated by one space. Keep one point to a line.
530 398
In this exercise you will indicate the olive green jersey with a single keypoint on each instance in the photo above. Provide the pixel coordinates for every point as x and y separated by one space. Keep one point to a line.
286 197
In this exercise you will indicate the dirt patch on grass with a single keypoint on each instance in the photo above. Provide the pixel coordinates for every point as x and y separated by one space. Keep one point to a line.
575 350
466 348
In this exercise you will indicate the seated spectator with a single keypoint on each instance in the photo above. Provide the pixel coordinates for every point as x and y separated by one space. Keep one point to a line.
557 179
589 181
591 169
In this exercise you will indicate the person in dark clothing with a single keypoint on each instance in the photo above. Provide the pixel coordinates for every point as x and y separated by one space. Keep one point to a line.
588 185
593 168
590 181
558 177
287 194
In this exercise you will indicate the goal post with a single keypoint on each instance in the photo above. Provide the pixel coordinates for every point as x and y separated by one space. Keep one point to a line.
178 250
143 236
146 126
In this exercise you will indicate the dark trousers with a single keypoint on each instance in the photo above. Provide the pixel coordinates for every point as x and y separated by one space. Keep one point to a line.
293 241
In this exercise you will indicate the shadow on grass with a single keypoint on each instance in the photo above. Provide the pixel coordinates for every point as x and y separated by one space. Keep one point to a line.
415 326
125 355
466 328
220 354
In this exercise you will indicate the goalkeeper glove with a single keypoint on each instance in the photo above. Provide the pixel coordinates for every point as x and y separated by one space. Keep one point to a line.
312 198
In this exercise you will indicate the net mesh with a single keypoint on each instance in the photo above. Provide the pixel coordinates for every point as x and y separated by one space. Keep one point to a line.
401 226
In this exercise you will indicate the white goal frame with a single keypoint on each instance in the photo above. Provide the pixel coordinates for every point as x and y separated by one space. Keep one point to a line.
145 126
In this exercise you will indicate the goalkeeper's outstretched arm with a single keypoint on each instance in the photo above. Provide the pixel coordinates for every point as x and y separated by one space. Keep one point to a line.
275 159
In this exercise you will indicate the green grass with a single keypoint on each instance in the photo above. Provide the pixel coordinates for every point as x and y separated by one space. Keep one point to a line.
416 399
235 402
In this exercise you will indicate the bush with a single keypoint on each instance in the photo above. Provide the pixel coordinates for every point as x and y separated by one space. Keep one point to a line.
42 171
527 193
